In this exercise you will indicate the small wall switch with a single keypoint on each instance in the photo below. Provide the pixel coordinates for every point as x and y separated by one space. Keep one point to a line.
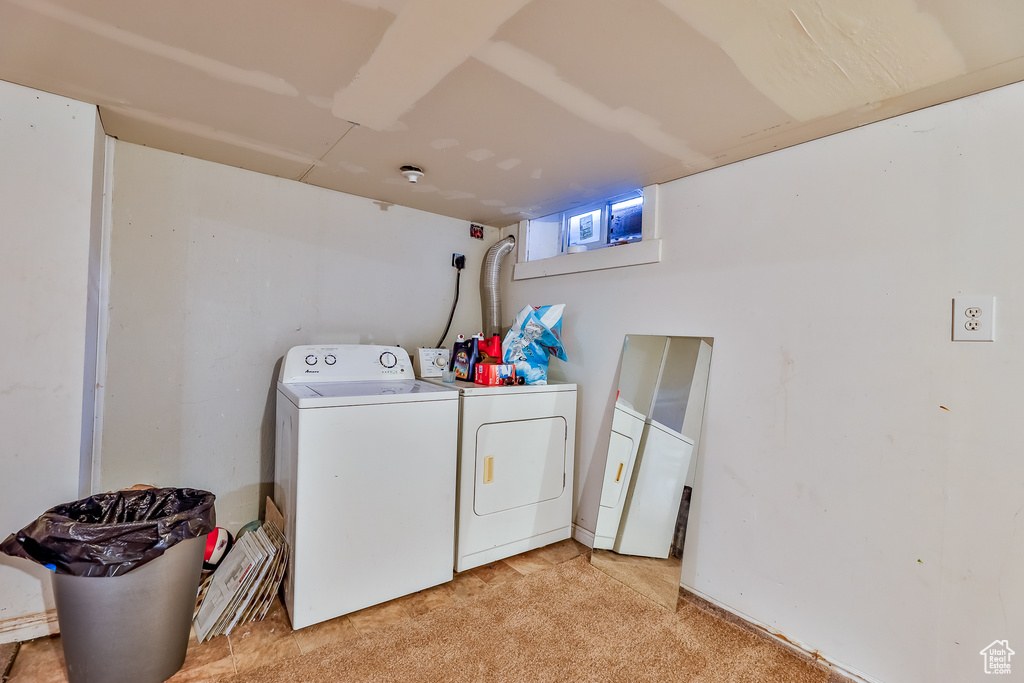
974 318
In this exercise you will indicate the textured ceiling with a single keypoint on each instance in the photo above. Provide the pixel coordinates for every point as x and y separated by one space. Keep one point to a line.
513 108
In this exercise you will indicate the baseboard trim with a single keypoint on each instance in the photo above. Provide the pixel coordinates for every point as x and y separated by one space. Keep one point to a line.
838 673
583 536
29 627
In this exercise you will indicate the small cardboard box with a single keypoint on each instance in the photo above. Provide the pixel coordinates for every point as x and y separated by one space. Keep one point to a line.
493 374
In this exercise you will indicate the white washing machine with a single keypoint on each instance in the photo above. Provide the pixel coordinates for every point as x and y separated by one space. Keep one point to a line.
365 477
517 449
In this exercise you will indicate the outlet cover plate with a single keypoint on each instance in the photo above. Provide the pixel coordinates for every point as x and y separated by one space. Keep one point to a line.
974 318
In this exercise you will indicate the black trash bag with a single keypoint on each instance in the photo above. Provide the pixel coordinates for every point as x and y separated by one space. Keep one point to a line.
110 534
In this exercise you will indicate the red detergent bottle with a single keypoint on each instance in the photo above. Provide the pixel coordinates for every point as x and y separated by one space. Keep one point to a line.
491 348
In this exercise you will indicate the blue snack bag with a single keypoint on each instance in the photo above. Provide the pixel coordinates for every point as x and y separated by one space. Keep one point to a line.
535 335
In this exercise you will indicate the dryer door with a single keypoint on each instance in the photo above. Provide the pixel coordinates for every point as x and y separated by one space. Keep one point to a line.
519 463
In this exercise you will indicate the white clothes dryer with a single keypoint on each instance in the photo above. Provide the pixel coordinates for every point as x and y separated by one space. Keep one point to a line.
517 450
365 478
623 444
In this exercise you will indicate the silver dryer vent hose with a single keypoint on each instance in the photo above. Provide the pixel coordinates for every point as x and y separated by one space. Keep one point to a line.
490 299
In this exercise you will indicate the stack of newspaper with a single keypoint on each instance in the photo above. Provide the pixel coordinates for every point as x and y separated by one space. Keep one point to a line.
245 583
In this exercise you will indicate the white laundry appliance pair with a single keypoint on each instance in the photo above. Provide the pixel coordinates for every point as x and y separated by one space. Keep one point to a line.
386 482
645 474
657 418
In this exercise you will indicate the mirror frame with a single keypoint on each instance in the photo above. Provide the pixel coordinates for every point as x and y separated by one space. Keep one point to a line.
658 410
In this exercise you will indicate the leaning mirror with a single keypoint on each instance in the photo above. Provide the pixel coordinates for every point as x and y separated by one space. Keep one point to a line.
645 496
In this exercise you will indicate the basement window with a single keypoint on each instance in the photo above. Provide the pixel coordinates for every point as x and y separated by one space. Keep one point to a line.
618 231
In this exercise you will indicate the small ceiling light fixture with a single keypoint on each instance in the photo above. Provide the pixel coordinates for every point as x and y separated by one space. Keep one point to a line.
412 173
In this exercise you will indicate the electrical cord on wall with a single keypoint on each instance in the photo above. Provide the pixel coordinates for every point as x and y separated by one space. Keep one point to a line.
459 262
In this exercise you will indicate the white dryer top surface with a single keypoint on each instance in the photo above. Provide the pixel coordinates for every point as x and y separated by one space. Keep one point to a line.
474 389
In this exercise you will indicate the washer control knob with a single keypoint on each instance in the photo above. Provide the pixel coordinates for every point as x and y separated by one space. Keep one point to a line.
388 359
311 359
330 359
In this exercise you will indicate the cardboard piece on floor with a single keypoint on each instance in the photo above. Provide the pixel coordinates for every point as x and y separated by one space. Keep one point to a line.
274 516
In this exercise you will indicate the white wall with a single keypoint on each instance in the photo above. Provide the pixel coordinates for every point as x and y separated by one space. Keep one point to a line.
216 273
859 487
860 484
51 159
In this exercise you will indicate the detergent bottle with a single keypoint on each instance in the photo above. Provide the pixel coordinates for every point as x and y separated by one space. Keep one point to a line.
461 352
474 355
490 349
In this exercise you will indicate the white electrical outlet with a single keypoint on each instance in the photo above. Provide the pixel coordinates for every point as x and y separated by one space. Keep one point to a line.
974 318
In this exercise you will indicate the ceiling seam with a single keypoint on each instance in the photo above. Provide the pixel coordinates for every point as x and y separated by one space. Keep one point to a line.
352 126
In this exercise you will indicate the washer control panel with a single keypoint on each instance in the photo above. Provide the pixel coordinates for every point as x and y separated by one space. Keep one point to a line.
345 363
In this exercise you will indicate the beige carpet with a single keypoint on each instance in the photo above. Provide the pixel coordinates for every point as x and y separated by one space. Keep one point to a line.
569 623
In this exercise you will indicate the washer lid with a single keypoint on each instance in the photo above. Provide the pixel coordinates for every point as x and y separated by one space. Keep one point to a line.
329 394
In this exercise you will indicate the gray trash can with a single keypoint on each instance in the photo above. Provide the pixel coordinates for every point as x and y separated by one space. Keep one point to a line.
133 627
126 571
